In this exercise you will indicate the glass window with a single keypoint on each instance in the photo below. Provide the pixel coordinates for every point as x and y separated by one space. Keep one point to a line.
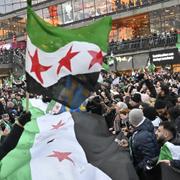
23 3
67 12
39 13
101 7
2 7
9 5
34 1
60 14
39 1
89 9
46 15
78 10
16 4
165 20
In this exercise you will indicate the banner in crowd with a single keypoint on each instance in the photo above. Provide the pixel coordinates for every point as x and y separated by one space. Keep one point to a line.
169 151
49 150
73 146
64 64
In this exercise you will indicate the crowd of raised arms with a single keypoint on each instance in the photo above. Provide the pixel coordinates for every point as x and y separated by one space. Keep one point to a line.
142 110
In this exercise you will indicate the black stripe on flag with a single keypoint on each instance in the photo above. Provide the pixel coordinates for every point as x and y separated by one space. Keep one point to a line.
71 90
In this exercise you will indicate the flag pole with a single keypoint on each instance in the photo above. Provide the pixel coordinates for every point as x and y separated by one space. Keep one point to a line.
27 101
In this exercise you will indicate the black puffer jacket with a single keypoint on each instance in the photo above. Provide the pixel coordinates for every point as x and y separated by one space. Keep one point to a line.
143 144
177 124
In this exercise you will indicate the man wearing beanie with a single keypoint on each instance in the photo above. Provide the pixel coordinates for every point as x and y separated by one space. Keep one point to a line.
143 144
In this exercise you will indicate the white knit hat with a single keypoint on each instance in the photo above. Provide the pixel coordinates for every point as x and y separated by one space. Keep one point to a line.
135 116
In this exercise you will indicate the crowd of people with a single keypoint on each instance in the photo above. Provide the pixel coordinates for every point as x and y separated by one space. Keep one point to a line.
11 55
141 110
10 107
144 112
143 43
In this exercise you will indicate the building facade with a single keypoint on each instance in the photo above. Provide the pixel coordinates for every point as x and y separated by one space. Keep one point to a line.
139 26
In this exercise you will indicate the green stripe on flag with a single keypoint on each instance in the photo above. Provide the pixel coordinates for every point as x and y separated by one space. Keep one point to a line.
106 67
50 38
165 153
17 164
178 41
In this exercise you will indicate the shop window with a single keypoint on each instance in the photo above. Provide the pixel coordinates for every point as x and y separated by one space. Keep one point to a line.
60 14
46 15
101 7
67 12
9 6
23 3
2 7
78 10
89 9
16 4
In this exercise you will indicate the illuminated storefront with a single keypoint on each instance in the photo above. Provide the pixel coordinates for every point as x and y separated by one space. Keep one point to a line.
78 10
128 28
160 21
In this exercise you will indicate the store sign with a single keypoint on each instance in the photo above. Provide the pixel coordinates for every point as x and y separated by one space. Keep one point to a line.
124 58
164 56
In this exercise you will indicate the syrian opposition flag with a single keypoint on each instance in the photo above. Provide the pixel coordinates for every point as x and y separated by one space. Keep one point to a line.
169 151
68 146
64 64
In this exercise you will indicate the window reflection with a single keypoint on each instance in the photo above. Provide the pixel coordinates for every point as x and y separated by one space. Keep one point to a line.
67 12
78 10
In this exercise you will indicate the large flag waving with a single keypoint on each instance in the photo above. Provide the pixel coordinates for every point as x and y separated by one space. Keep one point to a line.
63 63
48 150
67 146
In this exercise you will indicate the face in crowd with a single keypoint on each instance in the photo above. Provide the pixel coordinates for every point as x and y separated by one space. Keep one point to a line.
165 132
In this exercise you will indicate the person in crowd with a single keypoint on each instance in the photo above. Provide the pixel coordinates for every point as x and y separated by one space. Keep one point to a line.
165 95
161 109
151 114
136 101
12 139
2 106
143 144
170 146
121 119
174 116
5 127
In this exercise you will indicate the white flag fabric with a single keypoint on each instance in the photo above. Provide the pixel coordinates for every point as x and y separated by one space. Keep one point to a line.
67 146
56 153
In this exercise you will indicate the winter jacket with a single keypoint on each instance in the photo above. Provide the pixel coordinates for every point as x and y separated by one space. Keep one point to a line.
177 124
143 144
11 141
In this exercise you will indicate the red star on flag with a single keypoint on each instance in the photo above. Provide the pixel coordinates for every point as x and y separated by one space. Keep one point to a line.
61 156
37 68
65 61
97 58
58 125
